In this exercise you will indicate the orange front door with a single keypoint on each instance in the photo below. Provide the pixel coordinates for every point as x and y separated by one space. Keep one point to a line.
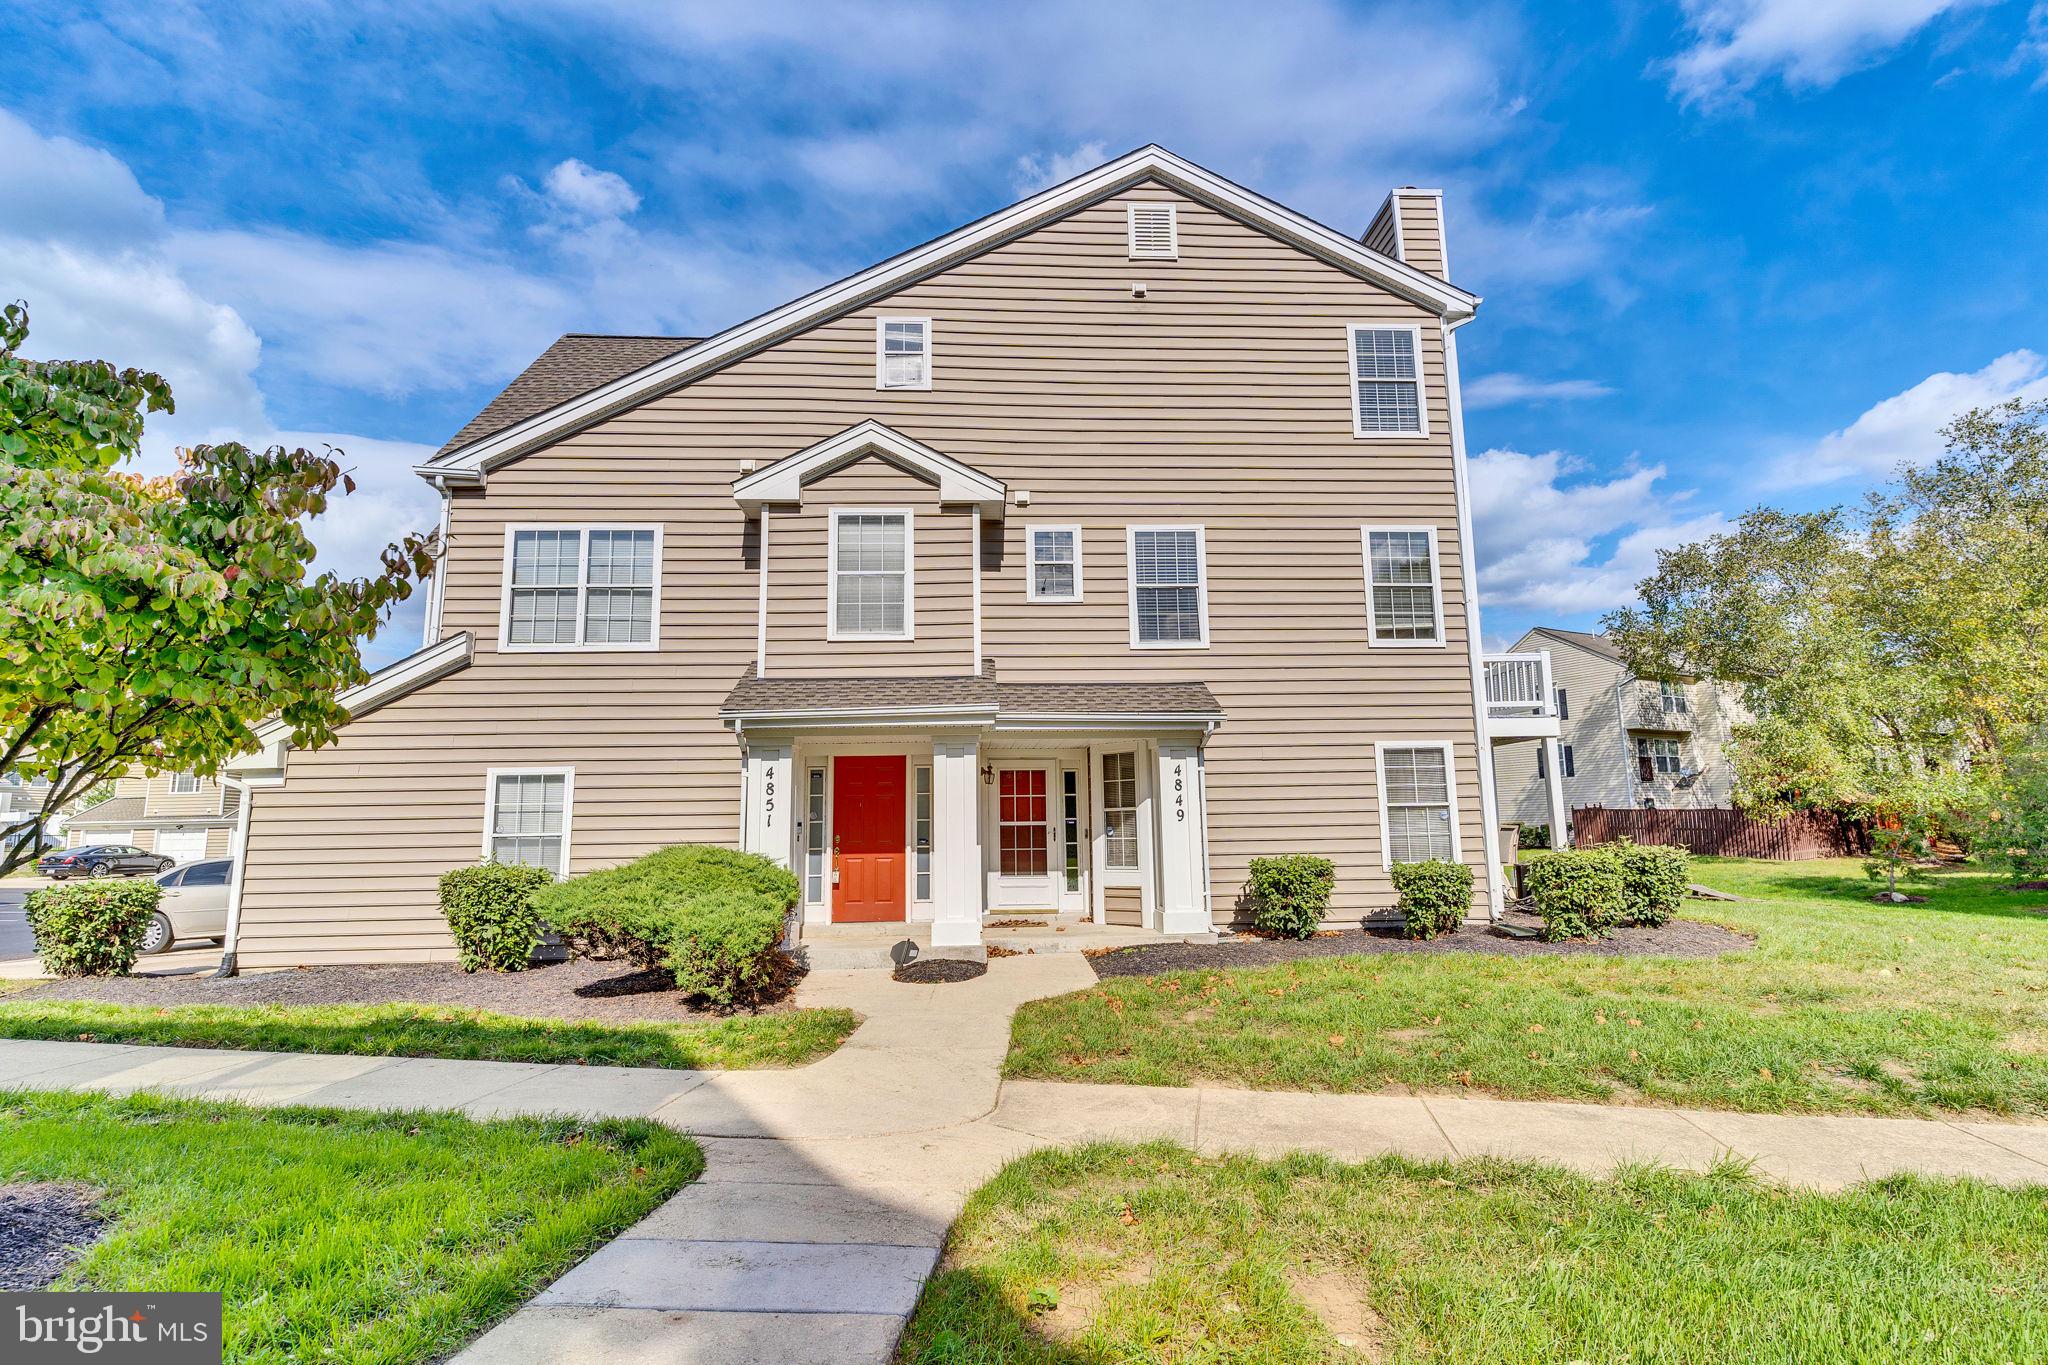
867 837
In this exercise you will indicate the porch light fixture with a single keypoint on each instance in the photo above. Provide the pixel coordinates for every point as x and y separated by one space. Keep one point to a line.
988 774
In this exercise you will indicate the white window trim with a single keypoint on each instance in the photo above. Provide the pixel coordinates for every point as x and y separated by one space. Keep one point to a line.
1358 431
881 330
583 530
1172 252
1379 759
832 631
1031 530
175 789
1436 584
1131 582
568 776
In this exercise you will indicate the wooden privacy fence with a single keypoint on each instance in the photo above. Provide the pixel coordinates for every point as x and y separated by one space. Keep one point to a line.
1721 832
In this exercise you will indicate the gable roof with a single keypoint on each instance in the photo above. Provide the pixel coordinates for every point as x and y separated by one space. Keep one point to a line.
469 461
1592 644
572 367
783 481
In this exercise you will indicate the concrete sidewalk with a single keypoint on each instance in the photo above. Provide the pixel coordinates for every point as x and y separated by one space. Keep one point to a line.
829 1189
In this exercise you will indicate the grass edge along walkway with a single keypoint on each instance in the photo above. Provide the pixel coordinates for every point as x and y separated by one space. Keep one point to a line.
1110 1252
1843 1006
784 1039
361 1238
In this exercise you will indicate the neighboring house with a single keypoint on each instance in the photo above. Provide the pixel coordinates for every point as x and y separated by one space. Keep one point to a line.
1623 742
1065 564
20 799
176 815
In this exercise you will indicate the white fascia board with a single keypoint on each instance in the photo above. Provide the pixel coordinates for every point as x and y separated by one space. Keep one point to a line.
393 681
783 482
1146 163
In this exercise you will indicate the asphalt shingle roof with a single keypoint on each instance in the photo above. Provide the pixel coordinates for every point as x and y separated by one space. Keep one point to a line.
573 366
118 808
1599 644
753 696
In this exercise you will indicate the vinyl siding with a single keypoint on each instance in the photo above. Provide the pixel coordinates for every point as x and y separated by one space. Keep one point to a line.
160 802
1422 238
799 580
1222 399
1379 236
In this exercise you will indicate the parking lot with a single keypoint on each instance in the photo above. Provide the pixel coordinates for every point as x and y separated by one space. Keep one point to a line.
18 945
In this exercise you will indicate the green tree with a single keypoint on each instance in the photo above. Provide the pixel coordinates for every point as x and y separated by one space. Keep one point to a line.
155 621
1894 656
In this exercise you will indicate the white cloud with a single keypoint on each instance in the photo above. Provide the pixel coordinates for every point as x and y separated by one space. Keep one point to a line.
1738 44
115 289
1506 388
1553 542
1039 170
1905 429
586 192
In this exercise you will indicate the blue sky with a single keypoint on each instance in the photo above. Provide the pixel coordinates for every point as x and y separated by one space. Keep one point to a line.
1733 251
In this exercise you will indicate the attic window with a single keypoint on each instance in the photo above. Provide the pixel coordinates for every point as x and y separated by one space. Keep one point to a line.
903 353
1155 235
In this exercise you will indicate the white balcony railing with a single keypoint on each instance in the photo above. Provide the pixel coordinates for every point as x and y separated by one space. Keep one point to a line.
1519 685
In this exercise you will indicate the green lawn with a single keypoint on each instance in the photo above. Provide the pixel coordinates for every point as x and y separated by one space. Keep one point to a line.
355 1239
1115 1254
790 1038
1843 1005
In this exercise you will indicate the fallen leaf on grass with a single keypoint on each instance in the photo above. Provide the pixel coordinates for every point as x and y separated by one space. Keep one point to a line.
1765 1072
1127 1218
1336 1040
1535 1028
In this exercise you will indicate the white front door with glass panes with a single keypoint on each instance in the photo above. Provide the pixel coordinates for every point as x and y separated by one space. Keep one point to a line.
1023 813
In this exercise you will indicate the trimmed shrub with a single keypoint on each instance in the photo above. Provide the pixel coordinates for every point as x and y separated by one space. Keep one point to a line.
1653 880
92 928
1290 893
1578 891
489 909
712 916
1435 896
1533 836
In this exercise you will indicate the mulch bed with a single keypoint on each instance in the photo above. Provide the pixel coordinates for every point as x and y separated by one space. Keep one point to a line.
581 990
933 971
1679 938
43 1228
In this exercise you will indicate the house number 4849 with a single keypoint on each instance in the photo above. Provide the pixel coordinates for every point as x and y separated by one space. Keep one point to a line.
1180 792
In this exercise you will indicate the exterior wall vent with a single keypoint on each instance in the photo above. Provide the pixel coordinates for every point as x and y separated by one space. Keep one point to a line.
1155 235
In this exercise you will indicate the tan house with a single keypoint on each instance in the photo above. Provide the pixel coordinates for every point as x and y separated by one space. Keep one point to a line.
180 816
1623 742
1060 565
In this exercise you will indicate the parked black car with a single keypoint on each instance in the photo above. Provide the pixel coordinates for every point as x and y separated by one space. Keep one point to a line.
100 860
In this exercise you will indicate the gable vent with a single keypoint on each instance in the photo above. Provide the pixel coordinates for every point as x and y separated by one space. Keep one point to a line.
1154 233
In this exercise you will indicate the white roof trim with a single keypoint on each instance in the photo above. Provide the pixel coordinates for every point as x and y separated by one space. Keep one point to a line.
783 481
1147 163
409 674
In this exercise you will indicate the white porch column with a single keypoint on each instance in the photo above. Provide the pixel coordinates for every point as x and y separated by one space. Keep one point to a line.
1559 814
769 794
956 843
1183 906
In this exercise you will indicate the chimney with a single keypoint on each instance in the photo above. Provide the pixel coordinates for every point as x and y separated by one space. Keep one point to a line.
1410 228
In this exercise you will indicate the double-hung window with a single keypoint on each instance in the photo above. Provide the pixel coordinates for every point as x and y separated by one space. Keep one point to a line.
578 587
873 575
903 353
1386 381
184 784
1404 596
1418 803
1673 697
1054 567
526 817
1169 588
1657 758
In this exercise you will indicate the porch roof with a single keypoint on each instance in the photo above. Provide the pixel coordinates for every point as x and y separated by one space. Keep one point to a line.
966 699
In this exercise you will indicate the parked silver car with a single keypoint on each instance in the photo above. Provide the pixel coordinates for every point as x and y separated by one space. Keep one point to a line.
194 904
